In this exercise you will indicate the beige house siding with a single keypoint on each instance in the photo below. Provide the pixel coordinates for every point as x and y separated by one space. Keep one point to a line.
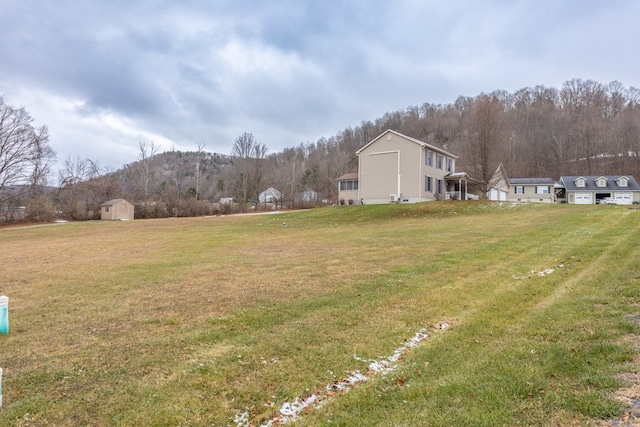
394 165
348 189
116 210
541 190
529 194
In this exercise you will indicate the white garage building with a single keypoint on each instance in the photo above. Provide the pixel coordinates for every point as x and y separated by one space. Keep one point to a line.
589 190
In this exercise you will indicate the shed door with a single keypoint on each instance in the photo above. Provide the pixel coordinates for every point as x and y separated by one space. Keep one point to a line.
123 213
583 199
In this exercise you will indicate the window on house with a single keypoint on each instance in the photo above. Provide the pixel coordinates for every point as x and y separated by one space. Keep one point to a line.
601 182
439 161
580 182
428 184
519 189
438 185
349 185
623 182
449 165
106 208
542 189
429 158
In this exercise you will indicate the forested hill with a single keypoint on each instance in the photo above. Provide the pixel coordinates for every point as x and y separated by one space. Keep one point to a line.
582 128
174 172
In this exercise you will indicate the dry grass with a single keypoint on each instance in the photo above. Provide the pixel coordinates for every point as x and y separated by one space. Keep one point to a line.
191 321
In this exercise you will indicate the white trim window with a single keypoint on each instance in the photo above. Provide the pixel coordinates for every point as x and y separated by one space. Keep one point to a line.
439 161
519 189
428 183
542 189
449 163
581 182
429 158
623 182
601 182
351 184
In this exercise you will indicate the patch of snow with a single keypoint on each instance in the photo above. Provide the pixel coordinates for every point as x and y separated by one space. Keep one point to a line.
289 411
242 419
540 273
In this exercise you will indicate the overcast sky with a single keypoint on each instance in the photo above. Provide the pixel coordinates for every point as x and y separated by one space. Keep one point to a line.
106 75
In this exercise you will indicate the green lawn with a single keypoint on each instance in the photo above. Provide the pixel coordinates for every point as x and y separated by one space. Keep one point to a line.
226 320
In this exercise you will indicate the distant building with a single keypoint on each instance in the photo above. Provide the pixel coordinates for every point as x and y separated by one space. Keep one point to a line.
270 195
532 190
589 190
116 210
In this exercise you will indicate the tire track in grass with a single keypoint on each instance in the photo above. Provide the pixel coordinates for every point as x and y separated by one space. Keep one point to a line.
567 285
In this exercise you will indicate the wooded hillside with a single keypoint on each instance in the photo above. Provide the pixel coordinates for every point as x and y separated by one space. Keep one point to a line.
583 128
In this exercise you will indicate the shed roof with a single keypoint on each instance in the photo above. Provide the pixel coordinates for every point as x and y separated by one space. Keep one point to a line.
113 202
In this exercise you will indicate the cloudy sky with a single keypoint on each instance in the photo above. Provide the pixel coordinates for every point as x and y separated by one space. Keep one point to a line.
106 75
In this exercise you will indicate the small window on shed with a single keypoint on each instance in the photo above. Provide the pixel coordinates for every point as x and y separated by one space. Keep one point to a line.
106 208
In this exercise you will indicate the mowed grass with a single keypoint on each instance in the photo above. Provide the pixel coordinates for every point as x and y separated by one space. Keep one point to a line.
190 322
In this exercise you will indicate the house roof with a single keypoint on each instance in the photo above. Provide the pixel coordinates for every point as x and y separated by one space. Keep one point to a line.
569 183
420 143
348 176
457 176
500 169
532 181
113 202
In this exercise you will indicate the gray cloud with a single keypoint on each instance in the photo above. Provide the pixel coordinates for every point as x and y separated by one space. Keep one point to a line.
105 75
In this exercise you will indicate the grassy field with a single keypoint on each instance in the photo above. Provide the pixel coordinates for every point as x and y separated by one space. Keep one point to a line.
529 315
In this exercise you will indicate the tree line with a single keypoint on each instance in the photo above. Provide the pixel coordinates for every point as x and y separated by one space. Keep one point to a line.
582 128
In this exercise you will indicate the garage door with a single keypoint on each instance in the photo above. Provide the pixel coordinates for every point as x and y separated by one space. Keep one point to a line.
495 194
583 199
623 198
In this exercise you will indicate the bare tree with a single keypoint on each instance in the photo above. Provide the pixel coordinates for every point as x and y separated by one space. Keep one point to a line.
84 186
248 167
199 152
146 152
485 141
25 157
